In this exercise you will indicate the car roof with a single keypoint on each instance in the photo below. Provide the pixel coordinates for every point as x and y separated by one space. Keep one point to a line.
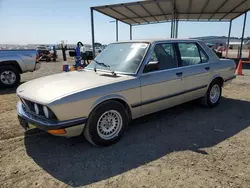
41 47
160 40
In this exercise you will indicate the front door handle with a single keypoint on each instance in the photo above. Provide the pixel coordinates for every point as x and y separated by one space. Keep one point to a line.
179 74
207 68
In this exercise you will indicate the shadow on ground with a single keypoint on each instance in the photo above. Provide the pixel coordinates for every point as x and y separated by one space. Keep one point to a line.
9 90
185 127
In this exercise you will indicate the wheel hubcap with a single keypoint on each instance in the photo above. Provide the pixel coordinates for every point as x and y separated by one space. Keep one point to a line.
109 124
215 94
8 77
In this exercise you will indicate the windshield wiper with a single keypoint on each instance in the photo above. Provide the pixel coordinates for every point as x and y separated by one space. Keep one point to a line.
101 64
104 65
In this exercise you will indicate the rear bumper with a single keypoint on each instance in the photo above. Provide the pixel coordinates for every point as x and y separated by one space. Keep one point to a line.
73 127
38 65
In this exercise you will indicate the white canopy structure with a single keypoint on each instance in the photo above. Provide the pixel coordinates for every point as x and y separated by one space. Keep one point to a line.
158 11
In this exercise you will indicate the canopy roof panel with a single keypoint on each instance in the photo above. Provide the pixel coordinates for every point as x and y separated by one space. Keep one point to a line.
156 11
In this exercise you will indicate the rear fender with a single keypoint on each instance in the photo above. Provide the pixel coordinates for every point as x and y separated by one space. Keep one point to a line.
215 77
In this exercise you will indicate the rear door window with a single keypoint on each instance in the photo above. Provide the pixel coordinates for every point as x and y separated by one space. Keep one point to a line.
191 54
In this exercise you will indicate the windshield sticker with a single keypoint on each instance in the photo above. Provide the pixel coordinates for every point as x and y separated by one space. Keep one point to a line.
138 45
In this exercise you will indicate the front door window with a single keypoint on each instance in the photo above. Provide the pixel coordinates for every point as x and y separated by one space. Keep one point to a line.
165 55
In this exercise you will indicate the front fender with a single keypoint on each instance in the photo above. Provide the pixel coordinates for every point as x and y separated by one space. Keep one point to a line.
106 98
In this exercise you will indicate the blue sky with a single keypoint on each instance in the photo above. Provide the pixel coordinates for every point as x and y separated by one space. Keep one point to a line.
50 21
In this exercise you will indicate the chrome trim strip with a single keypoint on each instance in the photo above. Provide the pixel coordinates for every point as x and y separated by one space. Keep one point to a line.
167 97
45 124
230 78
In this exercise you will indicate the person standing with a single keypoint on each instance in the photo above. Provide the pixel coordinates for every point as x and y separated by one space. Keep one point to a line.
83 54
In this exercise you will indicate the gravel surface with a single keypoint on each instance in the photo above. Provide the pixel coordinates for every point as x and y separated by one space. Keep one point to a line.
185 146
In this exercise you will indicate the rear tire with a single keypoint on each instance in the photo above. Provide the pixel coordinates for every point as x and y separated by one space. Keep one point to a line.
106 124
48 59
213 95
9 76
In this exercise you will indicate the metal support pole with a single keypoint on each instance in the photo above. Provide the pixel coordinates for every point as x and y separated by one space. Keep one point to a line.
249 53
243 32
174 25
116 30
65 63
130 32
171 28
64 52
93 31
171 35
175 28
238 52
228 39
177 25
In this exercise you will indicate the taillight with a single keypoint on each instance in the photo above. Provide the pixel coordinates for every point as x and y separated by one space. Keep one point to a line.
37 57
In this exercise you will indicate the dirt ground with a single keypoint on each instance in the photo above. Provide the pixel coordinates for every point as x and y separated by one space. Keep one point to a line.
185 146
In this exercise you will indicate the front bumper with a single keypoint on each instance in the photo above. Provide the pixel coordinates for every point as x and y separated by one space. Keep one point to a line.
73 127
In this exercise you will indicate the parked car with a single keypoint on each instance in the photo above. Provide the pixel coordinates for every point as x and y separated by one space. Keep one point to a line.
98 50
15 62
87 55
44 53
89 51
126 81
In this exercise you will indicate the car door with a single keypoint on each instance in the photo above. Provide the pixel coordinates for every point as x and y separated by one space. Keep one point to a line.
161 87
196 69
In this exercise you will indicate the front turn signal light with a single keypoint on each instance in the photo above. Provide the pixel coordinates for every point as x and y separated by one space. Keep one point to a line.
57 131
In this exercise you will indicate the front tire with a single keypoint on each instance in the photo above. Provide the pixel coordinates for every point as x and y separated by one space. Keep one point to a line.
213 95
9 76
106 124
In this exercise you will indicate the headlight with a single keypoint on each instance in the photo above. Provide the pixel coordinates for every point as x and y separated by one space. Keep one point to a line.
46 111
36 108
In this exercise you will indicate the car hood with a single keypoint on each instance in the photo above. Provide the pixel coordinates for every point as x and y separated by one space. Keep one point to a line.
47 89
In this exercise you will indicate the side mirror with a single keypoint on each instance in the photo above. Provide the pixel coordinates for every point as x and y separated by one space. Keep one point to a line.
151 66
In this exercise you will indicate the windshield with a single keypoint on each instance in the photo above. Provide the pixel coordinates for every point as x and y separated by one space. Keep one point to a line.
121 57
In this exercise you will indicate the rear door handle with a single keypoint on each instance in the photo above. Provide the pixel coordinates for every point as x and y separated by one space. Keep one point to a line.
207 68
179 74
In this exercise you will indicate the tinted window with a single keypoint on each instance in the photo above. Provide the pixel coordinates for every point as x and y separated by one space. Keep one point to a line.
168 49
153 57
165 55
190 54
